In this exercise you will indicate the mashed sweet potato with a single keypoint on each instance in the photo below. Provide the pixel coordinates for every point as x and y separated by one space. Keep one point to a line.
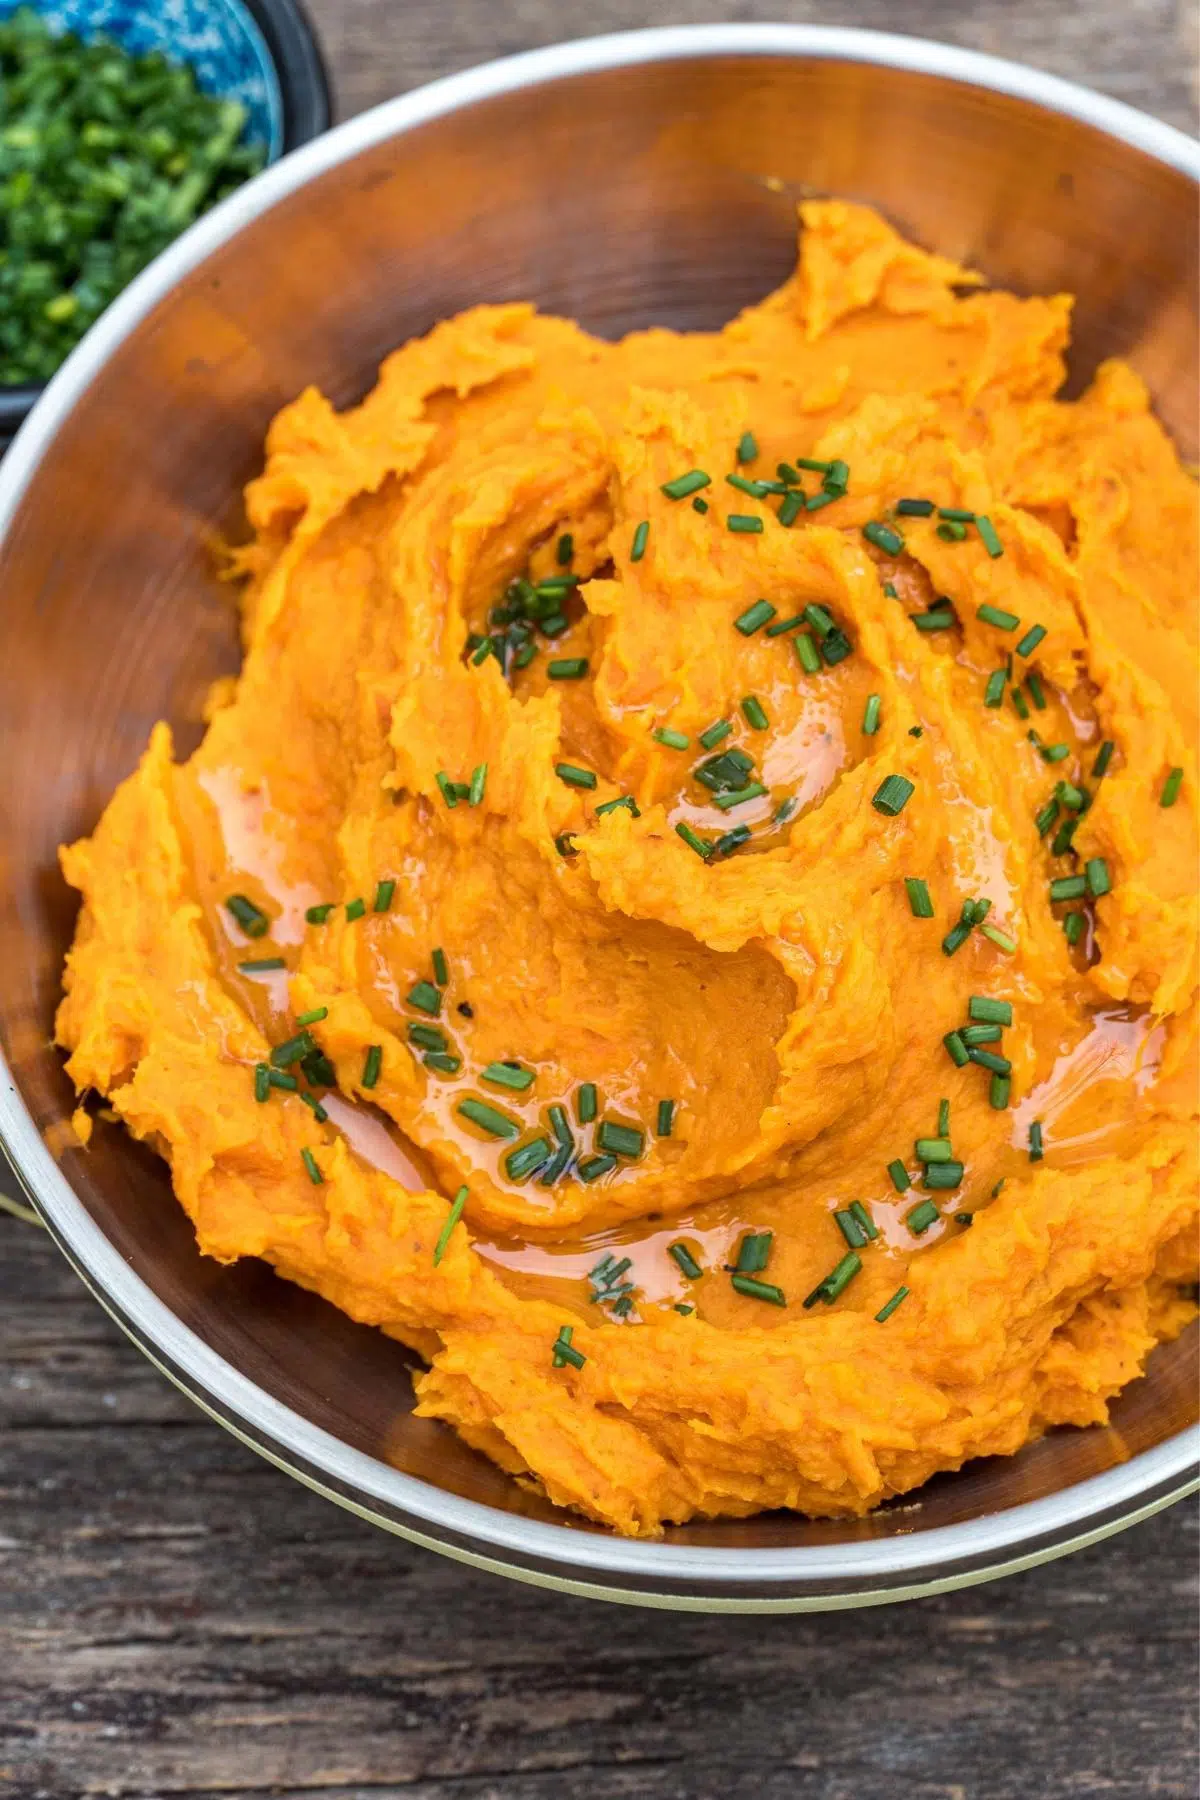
726 803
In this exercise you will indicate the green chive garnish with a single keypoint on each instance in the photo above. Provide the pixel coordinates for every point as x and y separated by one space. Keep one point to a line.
782 625
987 532
729 841
939 618
951 532
1073 927
622 1140
865 1222
253 921
452 1218
956 937
892 795
885 1312
973 1035
850 1229
488 1119
561 1127
995 615
754 1252
754 618
626 800
871 715
914 509
587 1100
425 997
287 1083
1031 640
993 693
785 809
429 1037
837 1281
987 1059
745 522
638 549
989 1011
747 448
528 1159
719 729
683 485
262 1082
442 1062
1001 939
1099 881
317 915
1045 819
1054 753
1068 887
700 506
1036 1147
564 1351
674 740
318 1111
1103 757
756 489
959 514
314 1017
372 1064
1171 787
574 776
261 964
790 507
933 1150
999 1091
593 1167
447 787
508 1075
1036 692
920 905
759 1290
899 1175
883 537
293 1051
565 550
922 1216
955 1048
565 668
703 850
943 1124
807 653
817 468
310 1163
685 1260
665 1118
837 476
383 895
355 909
755 716
753 791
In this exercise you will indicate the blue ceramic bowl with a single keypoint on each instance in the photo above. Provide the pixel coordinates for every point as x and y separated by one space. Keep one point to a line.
261 52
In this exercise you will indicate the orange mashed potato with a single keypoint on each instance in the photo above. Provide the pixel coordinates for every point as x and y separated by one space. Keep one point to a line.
766 905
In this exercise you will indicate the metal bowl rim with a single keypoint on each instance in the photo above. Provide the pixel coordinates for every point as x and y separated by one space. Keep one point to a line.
276 1429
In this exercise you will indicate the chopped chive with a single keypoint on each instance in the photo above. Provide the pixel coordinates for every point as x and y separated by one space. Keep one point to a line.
1036 691
665 1118
933 1150
674 740
703 850
837 476
790 507
815 502
1171 787
287 1083
686 1311
871 713
1099 881
638 549
565 550
442 1061
626 800
987 532
1054 753
441 972
564 843
587 1101
755 714
1045 819
989 1011
1103 757
508 1075
624 1140
561 1126
850 1229
806 651
488 1118
754 1252
1020 704
922 1216
1063 837
1001 939
920 905
786 473
1068 887
759 1290
980 1034
355 909
955 1048
961 515
318 1111
383 896
1070 795
700 506
719 729
892 795
259 965
951 532
995 615
988 1059
816 468
785 809
943 1175
482 652
747 448
425 997
744 522
565 668
782 625
447 1231
1036 1147
865 1222
1073 927
310 1163
756 489
914 509
885 1312
556 1166
294 1050
253 921
883 537
317 915
753 791
754 618
262 1082
685 1260
943 1124
565 1352
899 1175
999 1091
729 841
574 776
837 1281
1031 640
447 787
940 618
429 1037
993 693
683 485
592 1167
372 1064
820 620
314 1017
956 937
519 1164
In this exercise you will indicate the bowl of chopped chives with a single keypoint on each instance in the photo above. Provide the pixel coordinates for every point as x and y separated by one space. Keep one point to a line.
628 183
122 122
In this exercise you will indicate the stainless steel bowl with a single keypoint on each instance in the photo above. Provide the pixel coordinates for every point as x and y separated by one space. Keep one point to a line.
648 178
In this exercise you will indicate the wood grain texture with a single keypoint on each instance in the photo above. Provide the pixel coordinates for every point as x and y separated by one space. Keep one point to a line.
177 1618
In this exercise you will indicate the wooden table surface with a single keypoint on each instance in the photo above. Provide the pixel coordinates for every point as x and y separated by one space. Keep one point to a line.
177 1618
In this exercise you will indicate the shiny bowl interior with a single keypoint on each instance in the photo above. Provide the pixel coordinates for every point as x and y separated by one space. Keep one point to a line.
649 179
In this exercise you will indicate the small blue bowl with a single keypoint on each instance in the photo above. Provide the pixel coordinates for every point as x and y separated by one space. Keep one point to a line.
261 52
